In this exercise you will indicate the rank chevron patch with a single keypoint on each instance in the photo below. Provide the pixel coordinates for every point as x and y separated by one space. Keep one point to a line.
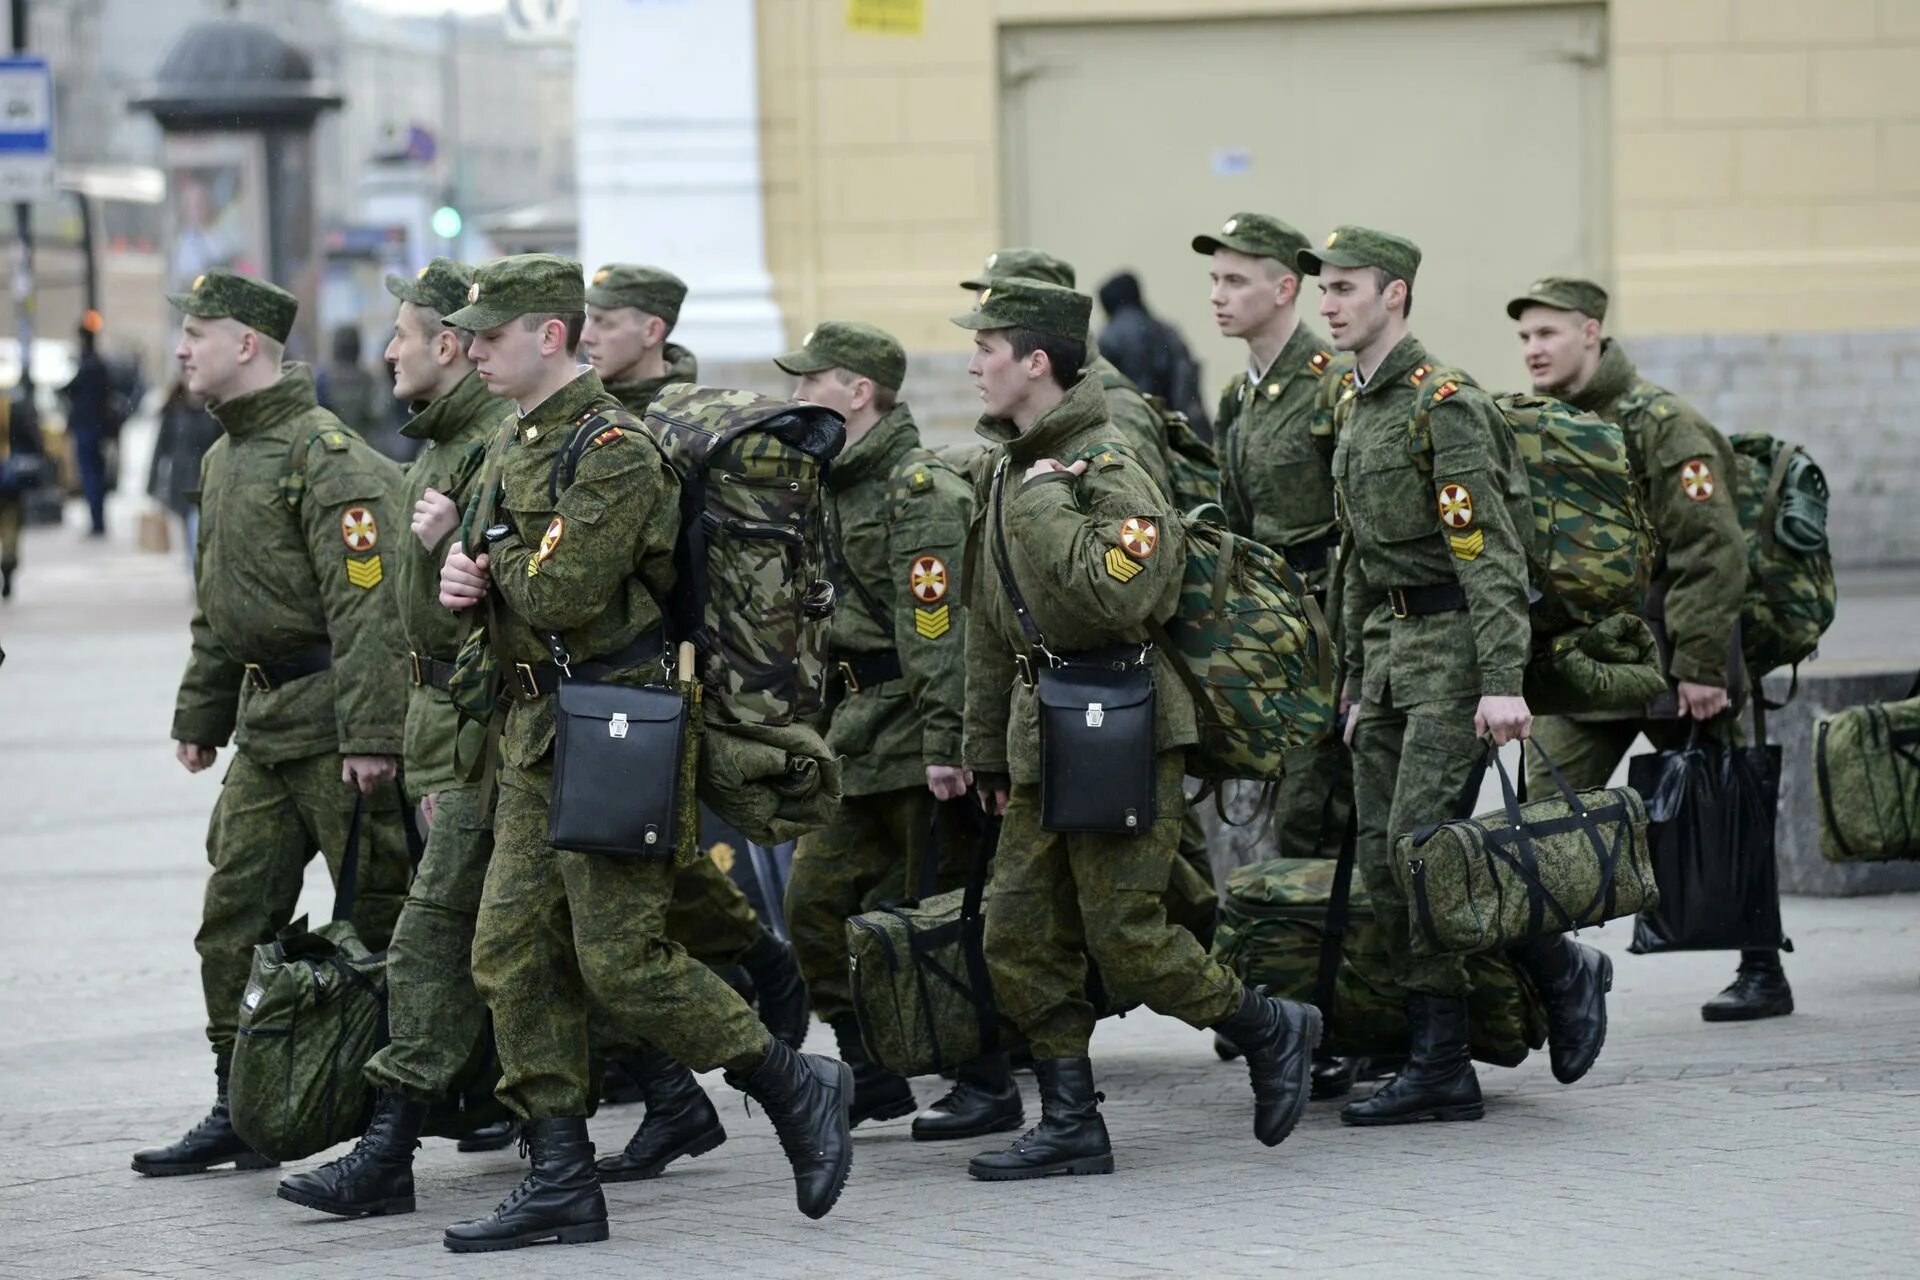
364 574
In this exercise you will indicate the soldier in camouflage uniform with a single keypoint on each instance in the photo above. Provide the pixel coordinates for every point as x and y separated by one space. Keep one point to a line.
1684 470
631 311
437 1021
896 525
1436 636
1098 561
296 657
584 554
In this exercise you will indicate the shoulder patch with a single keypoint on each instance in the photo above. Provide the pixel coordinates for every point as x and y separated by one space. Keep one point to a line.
1444 390
921 481
364 572
1319 362
1419 375
332 439
605 437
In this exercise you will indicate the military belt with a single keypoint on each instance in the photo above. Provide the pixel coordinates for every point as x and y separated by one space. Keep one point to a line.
265 677
538 679
431 672
859 671
1415 602
1311 556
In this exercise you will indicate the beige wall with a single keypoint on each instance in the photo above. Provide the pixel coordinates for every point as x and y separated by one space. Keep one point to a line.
1766 157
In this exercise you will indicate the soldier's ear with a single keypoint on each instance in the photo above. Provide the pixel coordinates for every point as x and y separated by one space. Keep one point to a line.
656 331
446 346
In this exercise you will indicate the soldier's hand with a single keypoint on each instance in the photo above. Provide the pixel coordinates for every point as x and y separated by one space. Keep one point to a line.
434 517
193 757
1047 465
1346 719
948 782
463 579
1700 701
367 772
429 804
1506 719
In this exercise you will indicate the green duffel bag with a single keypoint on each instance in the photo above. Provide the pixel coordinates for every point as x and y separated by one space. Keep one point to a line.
1526 870
1866 767
1303 929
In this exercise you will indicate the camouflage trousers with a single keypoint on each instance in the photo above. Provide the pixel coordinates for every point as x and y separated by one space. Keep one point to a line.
11 517
435 1016
709 916
267 824
1056 898
1193 903
1313 801
874 851
564 937
1409 766
1588 751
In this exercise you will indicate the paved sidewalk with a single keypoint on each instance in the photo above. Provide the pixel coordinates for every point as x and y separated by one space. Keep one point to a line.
1786 1148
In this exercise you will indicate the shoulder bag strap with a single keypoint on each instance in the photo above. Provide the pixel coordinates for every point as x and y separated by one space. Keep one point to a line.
347 887
1334 930
973 934
1003 565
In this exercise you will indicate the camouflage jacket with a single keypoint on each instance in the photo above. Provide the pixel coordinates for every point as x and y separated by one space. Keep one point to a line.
1066 538
588 559
637 393
896 529
289 558
1394 490
1137 424
1276 448
457 429
1685 472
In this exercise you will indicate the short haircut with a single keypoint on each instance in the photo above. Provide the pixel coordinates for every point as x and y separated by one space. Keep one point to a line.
1065 356
1383 277
432 323
884 398
575 321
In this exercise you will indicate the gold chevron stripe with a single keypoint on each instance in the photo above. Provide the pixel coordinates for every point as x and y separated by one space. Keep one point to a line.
932 623
1121 565
364 574
1468 546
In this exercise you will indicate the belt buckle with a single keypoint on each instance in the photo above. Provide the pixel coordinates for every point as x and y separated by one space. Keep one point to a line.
847 677
413 661
529 682
1397 601
257 677
1024 666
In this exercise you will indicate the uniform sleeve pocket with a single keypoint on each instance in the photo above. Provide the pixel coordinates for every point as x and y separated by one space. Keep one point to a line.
335 487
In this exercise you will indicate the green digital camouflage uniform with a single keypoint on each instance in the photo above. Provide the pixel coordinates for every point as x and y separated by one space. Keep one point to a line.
1684 471
896 526
1058 898
292 556
1275 439
709 915
435 1016
1417 681
563 934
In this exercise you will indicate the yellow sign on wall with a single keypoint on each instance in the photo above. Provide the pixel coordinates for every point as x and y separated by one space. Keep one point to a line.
887 17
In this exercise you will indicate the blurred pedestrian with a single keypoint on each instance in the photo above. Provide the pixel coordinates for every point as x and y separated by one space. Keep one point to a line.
89 397
1150 351
187 431
362 398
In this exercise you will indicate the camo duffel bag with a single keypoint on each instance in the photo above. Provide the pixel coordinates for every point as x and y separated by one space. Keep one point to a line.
1866 768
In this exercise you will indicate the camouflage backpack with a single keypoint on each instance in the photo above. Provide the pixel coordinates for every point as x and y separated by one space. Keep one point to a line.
1790 596
1253 649
1592 546
1192 465
750 587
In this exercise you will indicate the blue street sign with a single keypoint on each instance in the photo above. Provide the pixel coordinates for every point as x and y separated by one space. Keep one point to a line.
26 128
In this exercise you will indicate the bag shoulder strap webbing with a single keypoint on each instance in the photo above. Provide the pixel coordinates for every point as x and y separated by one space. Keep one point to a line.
841 569
1001 562
1333 931
346 889
973 934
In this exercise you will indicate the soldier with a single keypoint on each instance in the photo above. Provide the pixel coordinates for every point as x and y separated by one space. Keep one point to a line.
1436 635
896 528
1684 470
296 657
437 1022
1092 553
583 553
631 311
1274 435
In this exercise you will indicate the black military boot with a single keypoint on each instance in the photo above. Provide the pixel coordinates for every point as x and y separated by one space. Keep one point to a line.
376 1177
984 1099
209 1143
1574 980
1224 1049
1333 1076
558 1200
1759 990
878 1094
1070 1138
680 1120
6 581
779 993
1278 1037
809 1099
1438 1082
490 1137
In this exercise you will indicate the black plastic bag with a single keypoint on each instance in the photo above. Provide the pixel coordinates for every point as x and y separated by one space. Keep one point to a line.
1712 810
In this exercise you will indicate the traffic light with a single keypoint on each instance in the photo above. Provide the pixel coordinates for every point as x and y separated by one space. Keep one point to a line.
447 222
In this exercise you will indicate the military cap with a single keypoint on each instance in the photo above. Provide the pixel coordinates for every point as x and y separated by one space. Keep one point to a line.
1031 304
846 344
1563 293
440 286
226 295
1362 247
1021 264
525 284
654 290
1254 234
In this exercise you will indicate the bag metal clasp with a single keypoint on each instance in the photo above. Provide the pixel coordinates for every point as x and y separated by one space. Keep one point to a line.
617 727
1096 715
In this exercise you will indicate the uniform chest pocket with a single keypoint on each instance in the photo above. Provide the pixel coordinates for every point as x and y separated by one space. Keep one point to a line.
1393 496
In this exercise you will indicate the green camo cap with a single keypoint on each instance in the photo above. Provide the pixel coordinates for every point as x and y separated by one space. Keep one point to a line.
857 348
226 295
525 284
1255 234
1362 247
1021 264
1030 304
1563 293
440 286
654 290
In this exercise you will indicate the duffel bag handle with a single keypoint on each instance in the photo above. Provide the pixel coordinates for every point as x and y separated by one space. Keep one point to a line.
347 887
